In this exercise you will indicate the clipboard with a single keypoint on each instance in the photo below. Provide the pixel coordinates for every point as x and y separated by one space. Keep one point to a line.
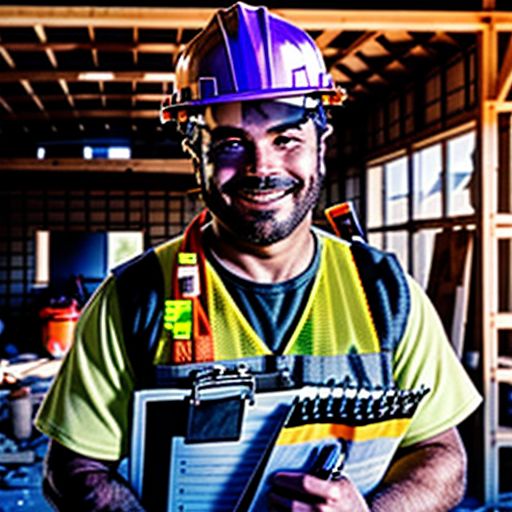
172 475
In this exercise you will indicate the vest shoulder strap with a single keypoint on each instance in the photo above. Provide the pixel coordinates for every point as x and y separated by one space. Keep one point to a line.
387 292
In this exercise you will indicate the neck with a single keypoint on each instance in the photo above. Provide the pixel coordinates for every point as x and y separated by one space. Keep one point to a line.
273 263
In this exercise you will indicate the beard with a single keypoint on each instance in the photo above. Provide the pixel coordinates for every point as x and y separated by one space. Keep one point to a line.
263 227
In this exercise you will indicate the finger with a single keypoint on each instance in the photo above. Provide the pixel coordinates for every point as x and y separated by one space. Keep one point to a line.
309 485
278 503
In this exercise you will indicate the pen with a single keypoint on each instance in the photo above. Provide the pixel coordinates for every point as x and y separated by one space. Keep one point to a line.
328 464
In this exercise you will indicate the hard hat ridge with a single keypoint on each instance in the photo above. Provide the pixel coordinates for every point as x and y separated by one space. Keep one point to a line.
247 53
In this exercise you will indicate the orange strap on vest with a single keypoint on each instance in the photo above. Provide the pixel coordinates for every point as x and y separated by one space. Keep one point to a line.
200 347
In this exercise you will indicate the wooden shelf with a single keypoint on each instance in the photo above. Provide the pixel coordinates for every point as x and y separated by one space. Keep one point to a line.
504 375
504 437
503 321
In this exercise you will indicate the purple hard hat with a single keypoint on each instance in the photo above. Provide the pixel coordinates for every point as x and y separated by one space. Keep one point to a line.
246 53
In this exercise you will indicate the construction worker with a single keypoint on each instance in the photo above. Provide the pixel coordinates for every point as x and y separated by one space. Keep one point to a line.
251 279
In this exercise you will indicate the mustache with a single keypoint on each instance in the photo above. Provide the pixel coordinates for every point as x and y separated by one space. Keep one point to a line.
259 183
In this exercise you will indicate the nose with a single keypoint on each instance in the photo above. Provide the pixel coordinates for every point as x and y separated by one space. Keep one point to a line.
265 160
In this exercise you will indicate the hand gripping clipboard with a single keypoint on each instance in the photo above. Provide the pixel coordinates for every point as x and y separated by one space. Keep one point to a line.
177 467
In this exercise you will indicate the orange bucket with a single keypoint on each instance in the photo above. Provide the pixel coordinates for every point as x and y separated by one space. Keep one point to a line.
59 327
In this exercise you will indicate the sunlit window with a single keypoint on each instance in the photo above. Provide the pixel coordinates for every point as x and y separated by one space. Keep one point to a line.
397 191
400 206
423 247
374 194
120 246
112 152
460 173
397 242
428 182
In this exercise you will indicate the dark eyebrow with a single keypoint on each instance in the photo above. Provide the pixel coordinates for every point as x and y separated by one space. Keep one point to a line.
224 132
288 125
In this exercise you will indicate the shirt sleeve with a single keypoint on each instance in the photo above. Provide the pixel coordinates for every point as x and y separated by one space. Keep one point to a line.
425 356
87 407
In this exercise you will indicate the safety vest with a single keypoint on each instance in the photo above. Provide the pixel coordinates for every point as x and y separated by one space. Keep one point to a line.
377 278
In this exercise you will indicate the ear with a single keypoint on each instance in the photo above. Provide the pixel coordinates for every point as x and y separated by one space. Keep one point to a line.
323 145
325 135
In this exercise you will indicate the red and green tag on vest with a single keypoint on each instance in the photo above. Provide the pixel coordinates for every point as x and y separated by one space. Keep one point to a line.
179 314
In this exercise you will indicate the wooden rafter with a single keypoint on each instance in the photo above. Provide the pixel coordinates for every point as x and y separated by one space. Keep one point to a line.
169 166
321 19
94 50
353 48
117 76
6 105
41 35
505 76
26 85
7 57
92 45
98 114
326 38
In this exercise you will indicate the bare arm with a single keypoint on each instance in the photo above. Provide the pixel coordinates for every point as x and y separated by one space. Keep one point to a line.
429 476
78 483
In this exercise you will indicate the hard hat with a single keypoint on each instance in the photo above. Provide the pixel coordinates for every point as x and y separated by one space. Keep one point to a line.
246 53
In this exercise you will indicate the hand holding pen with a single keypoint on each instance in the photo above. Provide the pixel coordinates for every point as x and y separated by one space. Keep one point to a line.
324 487
328 464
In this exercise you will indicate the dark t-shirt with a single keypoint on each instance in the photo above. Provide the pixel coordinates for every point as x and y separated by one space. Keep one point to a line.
272 309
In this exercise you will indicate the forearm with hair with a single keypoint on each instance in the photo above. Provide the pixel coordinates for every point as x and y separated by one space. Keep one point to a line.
430 477
78 483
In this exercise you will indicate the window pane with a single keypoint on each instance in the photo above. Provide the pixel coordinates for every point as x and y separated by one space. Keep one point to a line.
423 247
374 194
460 173
397 189
427 183
396 241
376 239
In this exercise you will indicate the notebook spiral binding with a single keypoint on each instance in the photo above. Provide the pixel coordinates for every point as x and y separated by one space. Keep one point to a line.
351 405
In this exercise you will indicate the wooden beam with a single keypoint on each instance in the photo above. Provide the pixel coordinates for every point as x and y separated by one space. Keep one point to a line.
41 34
487 285
326 38
99 46
8 59
157 97
78 114
169 166
56 75
505 76
353 48
26 85
309 19
6 105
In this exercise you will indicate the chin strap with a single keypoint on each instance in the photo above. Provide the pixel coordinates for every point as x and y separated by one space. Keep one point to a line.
186 317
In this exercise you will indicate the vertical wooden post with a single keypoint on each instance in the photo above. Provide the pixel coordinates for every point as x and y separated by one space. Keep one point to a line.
488 134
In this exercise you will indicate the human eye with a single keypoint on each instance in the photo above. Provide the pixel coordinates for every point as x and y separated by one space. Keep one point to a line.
286 141
229 146
229 151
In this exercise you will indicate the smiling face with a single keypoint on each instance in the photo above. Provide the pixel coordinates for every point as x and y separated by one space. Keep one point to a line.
263 169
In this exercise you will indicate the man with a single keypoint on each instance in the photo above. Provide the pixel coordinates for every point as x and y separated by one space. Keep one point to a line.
259 281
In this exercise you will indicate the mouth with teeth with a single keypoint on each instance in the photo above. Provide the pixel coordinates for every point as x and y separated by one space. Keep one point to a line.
260 190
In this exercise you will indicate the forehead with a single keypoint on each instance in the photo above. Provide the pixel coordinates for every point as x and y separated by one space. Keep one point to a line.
265 114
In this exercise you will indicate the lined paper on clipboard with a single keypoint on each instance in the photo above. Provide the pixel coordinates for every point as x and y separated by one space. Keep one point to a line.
207 476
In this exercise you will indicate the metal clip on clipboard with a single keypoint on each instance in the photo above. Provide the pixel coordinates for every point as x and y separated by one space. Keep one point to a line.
217 404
